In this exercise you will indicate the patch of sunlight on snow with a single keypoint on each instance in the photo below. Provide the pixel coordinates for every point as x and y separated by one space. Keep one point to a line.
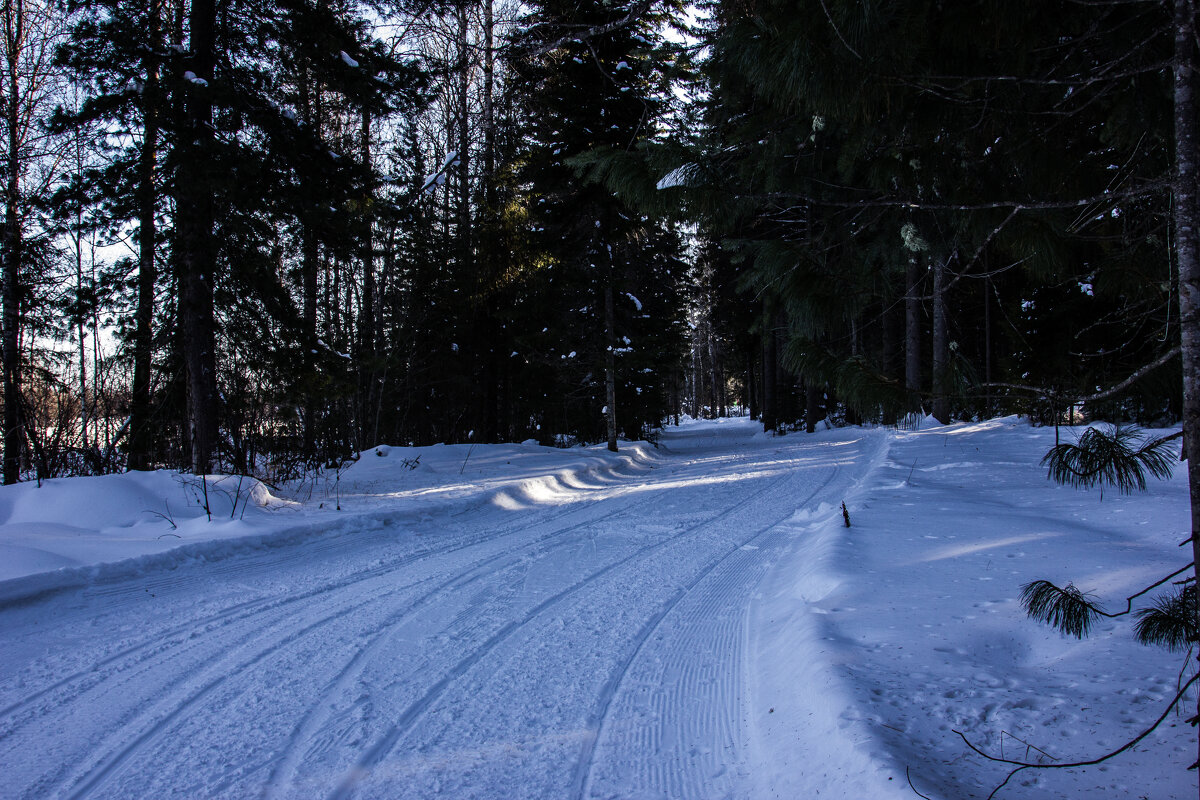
508 502
969 549
974 427
708 480
1112 582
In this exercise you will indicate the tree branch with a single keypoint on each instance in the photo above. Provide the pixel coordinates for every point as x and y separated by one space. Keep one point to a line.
598 30
1091 398
1132 379
1022 765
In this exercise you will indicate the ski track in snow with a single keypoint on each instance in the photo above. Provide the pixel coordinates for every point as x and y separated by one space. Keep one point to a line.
472 652
690 625
251 612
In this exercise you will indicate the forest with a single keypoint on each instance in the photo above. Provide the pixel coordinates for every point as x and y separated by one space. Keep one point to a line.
260 236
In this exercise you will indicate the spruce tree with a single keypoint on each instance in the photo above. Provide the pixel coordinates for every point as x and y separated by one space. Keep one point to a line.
585 98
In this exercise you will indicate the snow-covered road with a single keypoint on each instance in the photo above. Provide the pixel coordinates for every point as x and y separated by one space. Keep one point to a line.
601 643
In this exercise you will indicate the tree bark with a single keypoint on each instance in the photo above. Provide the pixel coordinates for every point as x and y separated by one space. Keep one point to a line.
1187 255
912 326
610 370
15 22
309 271
940 361
751 391
987 340
812 407
369 325
489 114
194 231
770 376
140 444
718 408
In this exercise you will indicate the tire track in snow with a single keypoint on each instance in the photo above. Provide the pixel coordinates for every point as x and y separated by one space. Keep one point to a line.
374 755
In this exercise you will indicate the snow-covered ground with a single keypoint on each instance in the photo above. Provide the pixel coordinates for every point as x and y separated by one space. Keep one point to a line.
693 621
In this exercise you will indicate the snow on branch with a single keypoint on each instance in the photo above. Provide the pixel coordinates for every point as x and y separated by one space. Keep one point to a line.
438 178
680 176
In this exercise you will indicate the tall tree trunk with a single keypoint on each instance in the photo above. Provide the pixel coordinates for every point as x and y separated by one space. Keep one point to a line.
489 114
10 326
912 326
140 440
751 387
496 395
464 137
194 231
714 372
890 337
941 352
610 369
310 267
369 326
812 407
987 340
1188 256
80 329
770 375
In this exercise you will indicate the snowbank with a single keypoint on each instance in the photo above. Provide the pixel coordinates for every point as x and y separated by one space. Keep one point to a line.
68 531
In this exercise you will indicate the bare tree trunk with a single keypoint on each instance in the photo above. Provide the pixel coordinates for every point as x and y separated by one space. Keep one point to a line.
194 229
1188 256
496 394
464 140
987 341
912 326
80 329
140 445
812 407
489 114
939 362
717 411
610 370
15 31
369 326
752 393
770 376
309 270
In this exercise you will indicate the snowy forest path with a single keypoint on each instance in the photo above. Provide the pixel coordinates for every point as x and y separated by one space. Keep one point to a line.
595 646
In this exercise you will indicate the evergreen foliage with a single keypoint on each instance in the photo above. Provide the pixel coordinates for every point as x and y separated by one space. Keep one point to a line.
1171 621
475 221
1111 458
852 142
1067 609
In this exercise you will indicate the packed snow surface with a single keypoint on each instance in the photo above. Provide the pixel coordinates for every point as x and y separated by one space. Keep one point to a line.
515 621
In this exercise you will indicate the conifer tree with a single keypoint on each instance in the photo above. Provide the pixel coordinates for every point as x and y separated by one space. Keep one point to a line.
898 150
586 97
